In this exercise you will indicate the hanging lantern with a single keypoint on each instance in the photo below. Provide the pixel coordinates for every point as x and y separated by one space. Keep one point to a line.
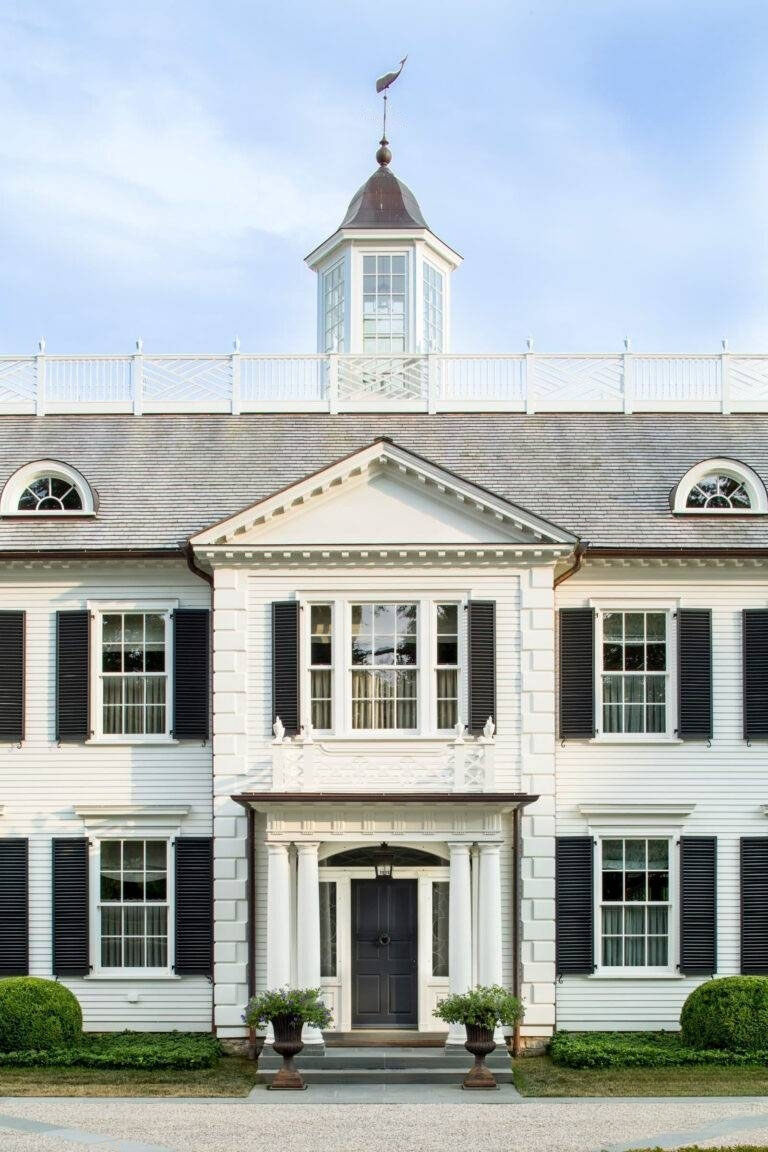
383 861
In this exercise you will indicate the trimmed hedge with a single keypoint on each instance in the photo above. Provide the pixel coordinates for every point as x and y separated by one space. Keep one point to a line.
640 1050
729 1014
37 1014
121 1050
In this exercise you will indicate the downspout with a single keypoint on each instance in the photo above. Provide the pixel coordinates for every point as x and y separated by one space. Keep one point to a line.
518 921
190 558
578 555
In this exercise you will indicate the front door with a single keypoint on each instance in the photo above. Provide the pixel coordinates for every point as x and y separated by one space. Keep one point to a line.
384 954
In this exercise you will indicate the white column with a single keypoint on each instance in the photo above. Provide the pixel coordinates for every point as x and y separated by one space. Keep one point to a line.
278 916
459 929
308 928
489 915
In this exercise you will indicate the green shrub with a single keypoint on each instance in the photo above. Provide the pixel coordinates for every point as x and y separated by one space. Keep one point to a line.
121 1050
641 1050
484 1007
730 1014
39 1014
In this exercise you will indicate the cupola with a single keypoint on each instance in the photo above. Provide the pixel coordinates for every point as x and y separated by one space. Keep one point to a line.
383 277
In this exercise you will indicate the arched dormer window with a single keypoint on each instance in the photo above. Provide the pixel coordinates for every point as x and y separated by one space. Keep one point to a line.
720 487
47 488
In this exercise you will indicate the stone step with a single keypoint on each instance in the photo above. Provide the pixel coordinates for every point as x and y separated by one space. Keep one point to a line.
383 1059
434 1074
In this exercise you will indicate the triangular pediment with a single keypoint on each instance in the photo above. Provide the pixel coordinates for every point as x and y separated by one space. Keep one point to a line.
382 495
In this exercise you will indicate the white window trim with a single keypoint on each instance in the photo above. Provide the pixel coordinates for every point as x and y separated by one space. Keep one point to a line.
356 303
671 608
341 625
97 610
725 467
341 266
15 485
137 974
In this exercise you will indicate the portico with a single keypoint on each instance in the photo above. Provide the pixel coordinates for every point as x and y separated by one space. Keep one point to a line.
383 950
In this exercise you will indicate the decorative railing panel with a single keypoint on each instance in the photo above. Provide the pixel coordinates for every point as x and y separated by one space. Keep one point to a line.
406 383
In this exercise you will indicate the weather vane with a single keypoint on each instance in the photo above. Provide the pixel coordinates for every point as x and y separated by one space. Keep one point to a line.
382 84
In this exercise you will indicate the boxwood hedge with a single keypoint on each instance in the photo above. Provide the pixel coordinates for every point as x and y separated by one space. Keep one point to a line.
37 1014
640 1050
729 1014
121 1050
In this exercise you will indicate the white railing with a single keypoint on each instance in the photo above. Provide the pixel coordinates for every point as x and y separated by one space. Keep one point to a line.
627 382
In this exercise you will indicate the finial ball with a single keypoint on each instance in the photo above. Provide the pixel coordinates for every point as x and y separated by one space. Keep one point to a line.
384 155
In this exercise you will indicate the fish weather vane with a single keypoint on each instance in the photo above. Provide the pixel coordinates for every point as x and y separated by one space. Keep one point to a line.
382 85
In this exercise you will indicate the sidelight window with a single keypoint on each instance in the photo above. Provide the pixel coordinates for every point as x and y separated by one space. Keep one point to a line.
440 897
327 928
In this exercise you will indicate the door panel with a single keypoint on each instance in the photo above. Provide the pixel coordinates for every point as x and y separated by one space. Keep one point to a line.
384 954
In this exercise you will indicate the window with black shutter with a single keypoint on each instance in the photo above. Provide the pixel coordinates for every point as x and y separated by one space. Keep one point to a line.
14 907
755 673
72 705
70 908
191 673
11 677
574 905
694 680
754 905
698 905
481 647
194 906
286 673
577 673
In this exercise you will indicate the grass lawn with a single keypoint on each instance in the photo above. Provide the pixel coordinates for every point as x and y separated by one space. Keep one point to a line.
233 1076
538 1076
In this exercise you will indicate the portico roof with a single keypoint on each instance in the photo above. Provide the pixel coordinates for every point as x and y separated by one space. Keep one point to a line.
259 800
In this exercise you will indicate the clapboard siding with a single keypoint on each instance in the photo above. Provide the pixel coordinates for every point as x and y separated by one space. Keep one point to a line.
76 774
725 781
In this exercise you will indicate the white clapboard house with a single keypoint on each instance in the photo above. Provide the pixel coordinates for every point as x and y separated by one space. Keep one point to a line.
274 628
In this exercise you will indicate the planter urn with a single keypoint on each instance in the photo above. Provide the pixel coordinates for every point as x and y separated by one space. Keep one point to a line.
479 1043
287 1043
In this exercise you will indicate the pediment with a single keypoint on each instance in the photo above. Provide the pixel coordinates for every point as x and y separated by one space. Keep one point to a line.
382 495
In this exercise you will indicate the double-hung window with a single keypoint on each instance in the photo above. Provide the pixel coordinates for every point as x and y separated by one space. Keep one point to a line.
133 673
447 665
634 672
133 904
385 666
635 902
321 666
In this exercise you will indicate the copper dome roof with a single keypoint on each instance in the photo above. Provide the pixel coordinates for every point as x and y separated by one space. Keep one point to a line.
384 202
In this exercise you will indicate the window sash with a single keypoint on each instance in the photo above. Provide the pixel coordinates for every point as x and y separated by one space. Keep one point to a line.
635 703
385 302
334 307
440 927
133 934
384 695
432 303
635 934
133 703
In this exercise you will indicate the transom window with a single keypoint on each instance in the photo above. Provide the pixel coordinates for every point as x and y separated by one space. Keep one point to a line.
716 491
433 309
384 661
384 303
134 677
333 308
133 903
635 903
50 494
634 672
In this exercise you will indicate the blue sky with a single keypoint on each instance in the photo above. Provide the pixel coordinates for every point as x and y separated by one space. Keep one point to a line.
601 166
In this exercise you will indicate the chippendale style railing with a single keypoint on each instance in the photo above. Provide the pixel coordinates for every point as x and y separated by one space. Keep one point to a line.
530 382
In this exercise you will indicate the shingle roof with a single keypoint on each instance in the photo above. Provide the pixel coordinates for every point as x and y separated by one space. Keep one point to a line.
606 478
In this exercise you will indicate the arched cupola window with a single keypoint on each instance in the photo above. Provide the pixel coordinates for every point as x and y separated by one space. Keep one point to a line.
47 488
720 487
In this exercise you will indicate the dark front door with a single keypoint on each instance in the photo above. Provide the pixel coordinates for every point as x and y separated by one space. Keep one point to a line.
384 955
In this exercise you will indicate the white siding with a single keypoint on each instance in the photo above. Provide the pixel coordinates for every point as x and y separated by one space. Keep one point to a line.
40 782
728 782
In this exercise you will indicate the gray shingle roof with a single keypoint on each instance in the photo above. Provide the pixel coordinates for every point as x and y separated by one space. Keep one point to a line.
607 478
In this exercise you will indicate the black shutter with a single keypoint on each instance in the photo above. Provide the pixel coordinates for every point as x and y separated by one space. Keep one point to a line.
755 660
694 679
698 905
11 677
481 646
574 905
191 673
72 648
194 906
754 905
577 673
285 665
14 907
70 908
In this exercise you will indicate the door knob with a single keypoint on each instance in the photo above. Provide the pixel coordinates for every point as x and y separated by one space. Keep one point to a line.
384 939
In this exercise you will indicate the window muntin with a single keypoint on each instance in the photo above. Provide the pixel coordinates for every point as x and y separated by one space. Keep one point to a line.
384 666
440 912
333 308
447 665
321 666
133 904
134 676
635 903
384 302
716 492
328 937
50 494
433 308
634 672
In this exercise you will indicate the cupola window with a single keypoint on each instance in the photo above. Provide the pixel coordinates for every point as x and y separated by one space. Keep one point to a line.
333 307
719 487
384 303
433 308
47 488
